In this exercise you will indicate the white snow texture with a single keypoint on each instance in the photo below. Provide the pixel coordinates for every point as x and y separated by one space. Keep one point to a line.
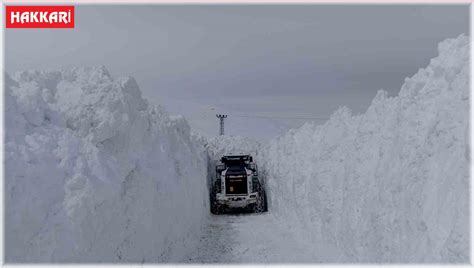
390 185
95 174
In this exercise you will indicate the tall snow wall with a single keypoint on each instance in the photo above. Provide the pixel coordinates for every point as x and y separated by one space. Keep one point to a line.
389 185
95 174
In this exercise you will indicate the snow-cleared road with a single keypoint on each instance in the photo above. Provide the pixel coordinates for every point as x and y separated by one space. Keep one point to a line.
249 238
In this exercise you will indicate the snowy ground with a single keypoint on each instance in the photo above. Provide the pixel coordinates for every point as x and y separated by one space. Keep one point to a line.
250 238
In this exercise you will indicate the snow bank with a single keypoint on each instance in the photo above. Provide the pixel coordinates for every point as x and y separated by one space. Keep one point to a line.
390 185
95 174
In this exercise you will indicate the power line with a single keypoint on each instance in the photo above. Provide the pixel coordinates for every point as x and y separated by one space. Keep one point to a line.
279 117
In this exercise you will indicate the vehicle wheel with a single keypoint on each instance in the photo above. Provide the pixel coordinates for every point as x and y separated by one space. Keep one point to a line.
260 205
265 201
216 208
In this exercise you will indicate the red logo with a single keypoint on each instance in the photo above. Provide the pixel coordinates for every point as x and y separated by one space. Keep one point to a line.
39 16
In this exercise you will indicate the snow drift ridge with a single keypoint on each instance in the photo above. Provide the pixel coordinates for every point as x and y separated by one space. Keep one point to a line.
95 174
389 185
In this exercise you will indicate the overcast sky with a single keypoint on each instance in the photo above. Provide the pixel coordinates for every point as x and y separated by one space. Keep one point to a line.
280 60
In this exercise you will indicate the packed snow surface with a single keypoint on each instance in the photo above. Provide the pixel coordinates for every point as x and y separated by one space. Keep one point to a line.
251 238
389 185
95 174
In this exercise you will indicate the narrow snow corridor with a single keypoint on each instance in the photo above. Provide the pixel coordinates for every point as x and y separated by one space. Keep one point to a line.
94 173
250 238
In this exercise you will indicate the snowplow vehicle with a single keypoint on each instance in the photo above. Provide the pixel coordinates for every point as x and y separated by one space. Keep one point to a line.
237 185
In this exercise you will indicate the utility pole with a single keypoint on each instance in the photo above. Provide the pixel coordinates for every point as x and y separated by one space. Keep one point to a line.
221 121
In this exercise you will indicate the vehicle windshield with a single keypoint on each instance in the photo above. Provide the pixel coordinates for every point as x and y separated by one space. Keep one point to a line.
235 164
232 163
236 170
